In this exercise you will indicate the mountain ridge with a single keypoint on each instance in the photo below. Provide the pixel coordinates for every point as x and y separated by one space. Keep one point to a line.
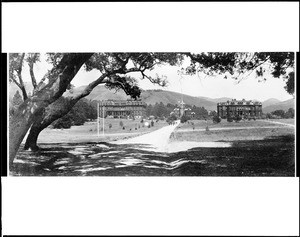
164 96
157 95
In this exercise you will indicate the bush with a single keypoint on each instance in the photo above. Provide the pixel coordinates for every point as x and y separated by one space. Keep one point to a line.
171 118
216 119
64 122
229 119
237 118
183 119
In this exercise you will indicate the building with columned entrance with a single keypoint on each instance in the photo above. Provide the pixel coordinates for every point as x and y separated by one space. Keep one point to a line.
243 108
122 108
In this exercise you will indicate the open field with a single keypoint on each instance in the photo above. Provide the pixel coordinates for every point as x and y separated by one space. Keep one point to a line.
288 121
225 131
200 124
257 148
88 131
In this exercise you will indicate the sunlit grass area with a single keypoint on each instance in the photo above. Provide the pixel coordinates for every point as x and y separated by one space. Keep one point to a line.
88 131
225 131
200 124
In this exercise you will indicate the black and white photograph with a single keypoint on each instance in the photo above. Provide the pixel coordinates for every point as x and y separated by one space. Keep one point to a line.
152 114
149 118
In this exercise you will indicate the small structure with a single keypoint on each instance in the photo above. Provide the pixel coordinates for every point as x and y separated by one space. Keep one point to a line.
188 113
242 108
176 111
123 108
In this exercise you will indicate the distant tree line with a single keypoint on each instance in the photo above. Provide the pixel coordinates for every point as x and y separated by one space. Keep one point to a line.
160 110
279 114
86 110
83 111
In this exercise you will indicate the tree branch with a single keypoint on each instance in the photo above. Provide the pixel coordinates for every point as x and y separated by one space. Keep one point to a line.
30 64
19 72
17 83
88 89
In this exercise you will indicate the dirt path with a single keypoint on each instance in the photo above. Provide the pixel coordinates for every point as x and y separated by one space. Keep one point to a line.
228 128
157 140
286 124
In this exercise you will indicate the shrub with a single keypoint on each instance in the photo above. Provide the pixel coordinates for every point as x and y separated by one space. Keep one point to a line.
171 118
183 119
216 119
229 119
237 118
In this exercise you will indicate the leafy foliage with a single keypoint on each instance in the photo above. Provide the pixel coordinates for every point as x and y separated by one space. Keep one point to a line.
184 119
240 65
171 118
290 83
290 113
237 118
216 119
279 113
229 119
83 111
17 99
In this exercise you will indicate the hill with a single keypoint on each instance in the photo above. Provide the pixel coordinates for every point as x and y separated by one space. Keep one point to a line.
216 100
157 96
170 97
284 105
269 102
148 96
100 93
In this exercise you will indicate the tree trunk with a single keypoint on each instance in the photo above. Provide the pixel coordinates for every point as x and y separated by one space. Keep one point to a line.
31 141
61 76
53 112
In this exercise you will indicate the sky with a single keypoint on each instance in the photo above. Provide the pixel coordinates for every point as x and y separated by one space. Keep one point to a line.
196 85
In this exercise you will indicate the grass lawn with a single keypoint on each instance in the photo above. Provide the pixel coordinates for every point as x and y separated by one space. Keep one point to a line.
288 121
88 131
247 130
200 124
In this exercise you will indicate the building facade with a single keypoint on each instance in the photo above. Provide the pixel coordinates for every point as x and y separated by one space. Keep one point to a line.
242 108
122 108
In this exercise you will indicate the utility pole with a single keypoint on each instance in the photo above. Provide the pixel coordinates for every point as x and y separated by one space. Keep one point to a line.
182 107
98 121
103 110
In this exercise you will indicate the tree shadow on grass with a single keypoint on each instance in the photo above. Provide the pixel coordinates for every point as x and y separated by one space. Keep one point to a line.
273 156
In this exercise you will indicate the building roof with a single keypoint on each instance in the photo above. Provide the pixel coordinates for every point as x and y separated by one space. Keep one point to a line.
240 102
122 102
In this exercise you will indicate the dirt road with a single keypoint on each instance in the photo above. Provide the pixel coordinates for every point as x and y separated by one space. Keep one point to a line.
157 140
228 128
275 122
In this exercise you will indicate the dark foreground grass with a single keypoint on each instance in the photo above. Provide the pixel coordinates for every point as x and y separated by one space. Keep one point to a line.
272 156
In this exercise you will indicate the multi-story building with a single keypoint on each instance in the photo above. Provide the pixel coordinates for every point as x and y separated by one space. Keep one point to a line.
122 108
242 108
